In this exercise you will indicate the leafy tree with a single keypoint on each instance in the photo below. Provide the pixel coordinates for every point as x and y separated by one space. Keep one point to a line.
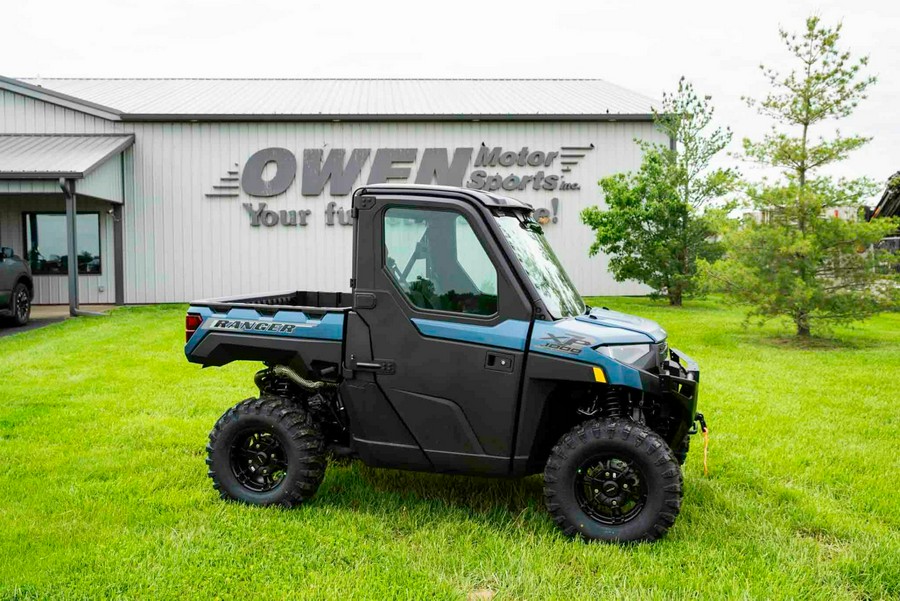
655 227
798 259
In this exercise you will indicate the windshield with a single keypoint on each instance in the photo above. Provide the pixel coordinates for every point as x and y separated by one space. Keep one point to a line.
540 263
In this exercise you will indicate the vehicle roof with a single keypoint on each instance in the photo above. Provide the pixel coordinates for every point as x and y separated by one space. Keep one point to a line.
488 199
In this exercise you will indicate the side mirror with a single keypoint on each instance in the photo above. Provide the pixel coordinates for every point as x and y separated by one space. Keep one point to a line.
6 253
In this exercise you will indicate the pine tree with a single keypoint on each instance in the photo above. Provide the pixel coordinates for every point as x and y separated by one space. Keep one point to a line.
800 259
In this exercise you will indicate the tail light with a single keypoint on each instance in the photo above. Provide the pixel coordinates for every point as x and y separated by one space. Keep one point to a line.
192 321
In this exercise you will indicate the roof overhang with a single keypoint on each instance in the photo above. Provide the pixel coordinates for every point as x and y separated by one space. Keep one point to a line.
51 157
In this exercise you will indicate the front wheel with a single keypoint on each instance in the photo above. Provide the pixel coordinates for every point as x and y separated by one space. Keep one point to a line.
681 452
20 305
612 480
266 451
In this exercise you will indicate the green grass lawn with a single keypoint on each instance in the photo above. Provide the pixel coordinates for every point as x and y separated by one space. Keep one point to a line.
103 487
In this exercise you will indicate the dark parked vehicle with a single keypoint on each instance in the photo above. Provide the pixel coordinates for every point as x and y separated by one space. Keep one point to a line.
463 348
16 288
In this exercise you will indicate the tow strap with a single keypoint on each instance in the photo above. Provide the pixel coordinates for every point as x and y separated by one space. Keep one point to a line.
705 430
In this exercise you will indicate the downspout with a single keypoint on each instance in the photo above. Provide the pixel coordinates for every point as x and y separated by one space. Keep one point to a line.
119 239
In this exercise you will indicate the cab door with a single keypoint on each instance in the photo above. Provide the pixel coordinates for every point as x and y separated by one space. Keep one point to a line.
448 329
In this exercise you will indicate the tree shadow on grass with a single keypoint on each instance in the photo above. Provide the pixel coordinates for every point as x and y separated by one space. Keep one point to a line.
818 343
408 501
779 333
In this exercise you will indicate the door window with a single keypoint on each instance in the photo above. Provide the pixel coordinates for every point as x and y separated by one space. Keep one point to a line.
438 262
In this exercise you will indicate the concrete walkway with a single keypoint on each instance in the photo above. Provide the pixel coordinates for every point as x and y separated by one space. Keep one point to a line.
43 315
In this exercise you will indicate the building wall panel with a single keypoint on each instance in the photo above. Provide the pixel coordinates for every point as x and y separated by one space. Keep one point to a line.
22 115
182 245
104 182
25 186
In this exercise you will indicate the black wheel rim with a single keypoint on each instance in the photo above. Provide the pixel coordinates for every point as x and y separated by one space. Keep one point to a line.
23 304
610 489
258 460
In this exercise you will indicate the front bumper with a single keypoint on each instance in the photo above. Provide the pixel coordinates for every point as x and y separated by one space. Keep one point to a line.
680 378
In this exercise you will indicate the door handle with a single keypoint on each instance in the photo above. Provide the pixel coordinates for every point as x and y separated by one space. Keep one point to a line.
377 366
499 361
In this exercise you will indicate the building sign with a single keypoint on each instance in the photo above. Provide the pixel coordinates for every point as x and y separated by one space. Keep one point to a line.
272 171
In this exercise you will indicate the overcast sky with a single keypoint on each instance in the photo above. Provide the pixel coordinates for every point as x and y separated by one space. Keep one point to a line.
645 46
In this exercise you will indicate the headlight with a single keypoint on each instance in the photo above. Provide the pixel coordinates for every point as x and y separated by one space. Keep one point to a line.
625 353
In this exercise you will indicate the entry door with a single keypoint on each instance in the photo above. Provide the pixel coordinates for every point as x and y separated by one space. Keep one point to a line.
448 330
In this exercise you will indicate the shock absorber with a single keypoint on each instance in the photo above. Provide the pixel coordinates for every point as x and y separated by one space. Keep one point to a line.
613 407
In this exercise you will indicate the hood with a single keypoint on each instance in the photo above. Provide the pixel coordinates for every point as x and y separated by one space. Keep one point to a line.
613 327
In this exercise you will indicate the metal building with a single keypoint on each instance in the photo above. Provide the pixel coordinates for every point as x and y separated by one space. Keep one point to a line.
198 188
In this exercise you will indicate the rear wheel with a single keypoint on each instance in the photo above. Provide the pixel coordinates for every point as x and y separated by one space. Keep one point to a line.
612 480
266 451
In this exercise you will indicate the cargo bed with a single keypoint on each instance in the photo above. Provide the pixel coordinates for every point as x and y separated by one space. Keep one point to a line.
305 300
275 328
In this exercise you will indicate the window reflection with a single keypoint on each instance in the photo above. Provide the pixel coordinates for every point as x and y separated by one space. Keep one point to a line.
46 245
541 265
436 259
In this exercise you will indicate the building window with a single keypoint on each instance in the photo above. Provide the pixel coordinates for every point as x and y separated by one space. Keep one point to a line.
47 248
436 259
